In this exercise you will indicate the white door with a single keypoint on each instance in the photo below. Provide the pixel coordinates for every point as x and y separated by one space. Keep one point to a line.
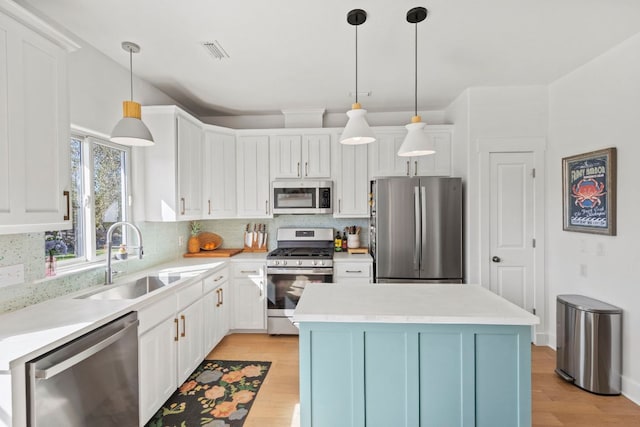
512 227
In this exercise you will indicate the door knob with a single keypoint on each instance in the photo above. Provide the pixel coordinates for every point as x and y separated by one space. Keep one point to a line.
496 259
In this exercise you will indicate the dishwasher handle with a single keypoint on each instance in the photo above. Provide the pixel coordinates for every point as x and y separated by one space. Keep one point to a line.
43 374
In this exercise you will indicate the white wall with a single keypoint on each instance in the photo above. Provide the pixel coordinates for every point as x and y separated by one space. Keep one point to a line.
598 106
329 120
97 87
485 113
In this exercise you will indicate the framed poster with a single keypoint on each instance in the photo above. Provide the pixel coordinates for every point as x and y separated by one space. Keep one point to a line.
589 192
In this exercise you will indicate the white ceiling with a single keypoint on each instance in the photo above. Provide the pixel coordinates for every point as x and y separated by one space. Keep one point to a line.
291 54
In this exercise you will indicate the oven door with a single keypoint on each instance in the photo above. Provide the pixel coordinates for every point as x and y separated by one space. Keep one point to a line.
285 286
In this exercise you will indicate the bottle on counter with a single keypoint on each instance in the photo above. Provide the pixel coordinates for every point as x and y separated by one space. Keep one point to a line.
338 242
344 242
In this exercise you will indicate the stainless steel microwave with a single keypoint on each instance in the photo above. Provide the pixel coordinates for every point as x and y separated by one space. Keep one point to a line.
302 197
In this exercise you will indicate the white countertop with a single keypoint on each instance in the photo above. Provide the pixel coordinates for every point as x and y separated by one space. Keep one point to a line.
39 328
347 257
408 303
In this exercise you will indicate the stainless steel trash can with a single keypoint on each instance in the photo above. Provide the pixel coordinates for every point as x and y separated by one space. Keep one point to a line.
588 335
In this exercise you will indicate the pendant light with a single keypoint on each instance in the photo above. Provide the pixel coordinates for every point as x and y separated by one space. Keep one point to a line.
357 130
416 143
130 130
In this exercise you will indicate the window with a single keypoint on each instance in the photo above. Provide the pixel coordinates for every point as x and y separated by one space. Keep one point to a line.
99 194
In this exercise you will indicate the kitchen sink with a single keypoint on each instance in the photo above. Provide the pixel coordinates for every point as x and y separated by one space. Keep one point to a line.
135 289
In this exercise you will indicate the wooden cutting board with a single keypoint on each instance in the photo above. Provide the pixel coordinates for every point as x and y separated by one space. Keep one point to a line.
218 253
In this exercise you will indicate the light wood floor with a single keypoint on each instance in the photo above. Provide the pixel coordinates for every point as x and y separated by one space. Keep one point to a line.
555 402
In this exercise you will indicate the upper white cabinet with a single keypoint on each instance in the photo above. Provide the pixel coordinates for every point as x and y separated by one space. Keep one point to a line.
301 155
172 166
219 172
252 167
34 126
384 160
351 184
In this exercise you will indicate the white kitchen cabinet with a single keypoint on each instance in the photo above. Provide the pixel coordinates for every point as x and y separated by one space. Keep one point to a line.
34 126
190 343
215 311
252 172
157 355
172 188
250 309
301 156
219 172
157 352
384 159
169 346
351 183
352 269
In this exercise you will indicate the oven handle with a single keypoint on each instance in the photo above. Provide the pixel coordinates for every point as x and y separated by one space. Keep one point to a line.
310 271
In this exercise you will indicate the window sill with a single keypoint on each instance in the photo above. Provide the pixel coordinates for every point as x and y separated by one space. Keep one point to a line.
69 270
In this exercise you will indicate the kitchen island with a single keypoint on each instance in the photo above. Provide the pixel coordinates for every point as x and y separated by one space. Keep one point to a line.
413 355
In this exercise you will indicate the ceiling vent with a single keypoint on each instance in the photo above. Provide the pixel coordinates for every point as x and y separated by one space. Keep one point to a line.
215 49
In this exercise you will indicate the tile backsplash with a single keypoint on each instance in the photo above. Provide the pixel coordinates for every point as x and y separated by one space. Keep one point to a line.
160 245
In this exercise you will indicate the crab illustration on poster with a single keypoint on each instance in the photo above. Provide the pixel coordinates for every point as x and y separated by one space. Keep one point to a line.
589 192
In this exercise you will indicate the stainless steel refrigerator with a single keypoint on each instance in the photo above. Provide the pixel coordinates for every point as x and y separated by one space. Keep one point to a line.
416 229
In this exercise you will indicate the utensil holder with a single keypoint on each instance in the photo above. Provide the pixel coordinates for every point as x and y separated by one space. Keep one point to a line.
353 240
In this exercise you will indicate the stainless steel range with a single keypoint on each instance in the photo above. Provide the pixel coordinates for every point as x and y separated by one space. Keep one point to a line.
303 256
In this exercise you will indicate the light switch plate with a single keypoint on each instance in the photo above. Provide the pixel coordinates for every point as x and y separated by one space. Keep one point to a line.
11 275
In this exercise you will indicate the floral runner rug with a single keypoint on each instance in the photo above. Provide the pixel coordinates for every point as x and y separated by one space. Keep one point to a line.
217 394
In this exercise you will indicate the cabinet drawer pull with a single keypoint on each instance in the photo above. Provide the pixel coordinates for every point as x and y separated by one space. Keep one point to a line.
266 207
354 271
261 284
217 279
182 202
218 303
415 168
221 296
177 332
184 326
339 205
248 272
306 168
298 169
68 215
209 207
408 162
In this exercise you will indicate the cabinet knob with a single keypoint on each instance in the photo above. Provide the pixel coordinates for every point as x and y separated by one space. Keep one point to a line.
496 259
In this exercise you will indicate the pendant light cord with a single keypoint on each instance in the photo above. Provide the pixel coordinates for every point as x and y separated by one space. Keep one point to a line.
416 71
356 63
131 70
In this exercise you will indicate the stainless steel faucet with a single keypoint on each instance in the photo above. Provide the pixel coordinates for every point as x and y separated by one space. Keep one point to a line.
109 273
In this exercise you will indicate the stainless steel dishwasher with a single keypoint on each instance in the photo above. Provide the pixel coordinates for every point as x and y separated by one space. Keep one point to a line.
91 381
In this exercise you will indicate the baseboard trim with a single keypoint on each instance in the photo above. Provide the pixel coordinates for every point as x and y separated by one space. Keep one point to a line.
631 390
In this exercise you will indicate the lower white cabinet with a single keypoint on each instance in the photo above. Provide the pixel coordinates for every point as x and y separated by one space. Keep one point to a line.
250 309
157 355
215 309
190 340
169 346
348 272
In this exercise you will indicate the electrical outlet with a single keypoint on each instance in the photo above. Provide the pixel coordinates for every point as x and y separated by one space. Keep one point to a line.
11 275
180 240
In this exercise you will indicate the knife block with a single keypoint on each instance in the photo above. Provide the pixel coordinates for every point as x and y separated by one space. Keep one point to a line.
255 241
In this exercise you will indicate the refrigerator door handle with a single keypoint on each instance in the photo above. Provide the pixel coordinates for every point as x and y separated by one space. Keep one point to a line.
418 232
423 221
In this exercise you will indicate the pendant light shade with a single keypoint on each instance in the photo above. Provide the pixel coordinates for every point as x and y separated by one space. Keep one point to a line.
357 130
130 130
417 142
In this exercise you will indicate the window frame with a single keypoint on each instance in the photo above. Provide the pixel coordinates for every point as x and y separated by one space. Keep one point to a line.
88 140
